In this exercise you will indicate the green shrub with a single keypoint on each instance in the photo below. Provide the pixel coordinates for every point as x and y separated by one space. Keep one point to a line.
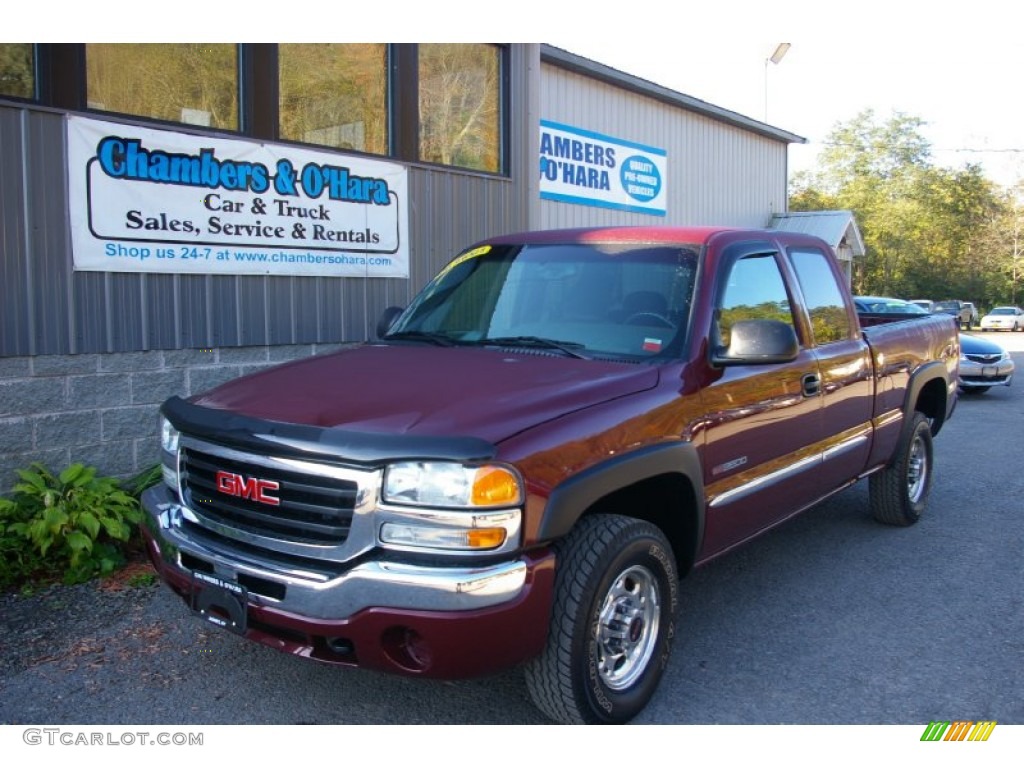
18 563
147 478
73 522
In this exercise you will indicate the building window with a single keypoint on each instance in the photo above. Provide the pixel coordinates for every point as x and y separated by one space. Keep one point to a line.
17 70
459 105
195 83
335 95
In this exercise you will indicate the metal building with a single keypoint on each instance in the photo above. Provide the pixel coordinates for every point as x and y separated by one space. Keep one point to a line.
94 337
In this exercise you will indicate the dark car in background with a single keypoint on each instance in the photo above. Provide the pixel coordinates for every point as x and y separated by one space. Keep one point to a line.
885 305
965 311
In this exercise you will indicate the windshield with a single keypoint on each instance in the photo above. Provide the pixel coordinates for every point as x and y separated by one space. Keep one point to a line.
609 301
946 306
1003 311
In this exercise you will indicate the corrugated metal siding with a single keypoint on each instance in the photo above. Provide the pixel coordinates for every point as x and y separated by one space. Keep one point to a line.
50 309
718 173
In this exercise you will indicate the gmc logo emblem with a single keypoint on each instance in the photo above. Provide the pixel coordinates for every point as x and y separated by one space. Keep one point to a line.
248 487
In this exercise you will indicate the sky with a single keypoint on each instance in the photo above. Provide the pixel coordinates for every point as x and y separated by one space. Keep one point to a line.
959 67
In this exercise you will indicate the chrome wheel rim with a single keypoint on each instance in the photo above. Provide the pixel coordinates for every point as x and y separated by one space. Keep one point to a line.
627 627
917 470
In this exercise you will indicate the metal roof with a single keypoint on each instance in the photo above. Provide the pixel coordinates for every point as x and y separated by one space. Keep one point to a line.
831 226
561 58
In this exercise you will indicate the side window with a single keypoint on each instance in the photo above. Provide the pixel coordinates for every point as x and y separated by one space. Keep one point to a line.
755 291
829 319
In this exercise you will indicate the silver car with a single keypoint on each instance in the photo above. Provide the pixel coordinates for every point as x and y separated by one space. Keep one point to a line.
983 365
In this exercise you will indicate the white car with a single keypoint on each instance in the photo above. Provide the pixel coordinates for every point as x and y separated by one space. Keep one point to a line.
1003 319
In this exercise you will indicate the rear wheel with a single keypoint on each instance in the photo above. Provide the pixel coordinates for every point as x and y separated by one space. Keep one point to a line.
899 492
616 589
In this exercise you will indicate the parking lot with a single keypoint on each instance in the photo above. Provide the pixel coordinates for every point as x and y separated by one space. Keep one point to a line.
831 618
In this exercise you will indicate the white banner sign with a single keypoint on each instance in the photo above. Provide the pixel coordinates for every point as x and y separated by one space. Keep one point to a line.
578 166
147 200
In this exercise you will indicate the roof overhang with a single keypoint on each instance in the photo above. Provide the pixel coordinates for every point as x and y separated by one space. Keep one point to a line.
583 66
837 228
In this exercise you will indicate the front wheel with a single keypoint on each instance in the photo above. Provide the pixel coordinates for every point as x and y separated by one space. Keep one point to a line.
899 492
616 590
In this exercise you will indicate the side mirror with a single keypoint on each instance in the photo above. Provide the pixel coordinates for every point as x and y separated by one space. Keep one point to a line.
387 319
758 342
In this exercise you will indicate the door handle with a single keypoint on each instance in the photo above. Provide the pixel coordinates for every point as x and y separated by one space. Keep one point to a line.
811 384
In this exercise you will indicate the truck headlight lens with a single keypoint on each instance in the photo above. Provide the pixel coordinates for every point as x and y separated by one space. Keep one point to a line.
169 456
168 436
447 484
411 535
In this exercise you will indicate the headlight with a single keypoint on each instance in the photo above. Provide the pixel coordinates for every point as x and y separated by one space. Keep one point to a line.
451 534
168 436
169 456
466 509
447 484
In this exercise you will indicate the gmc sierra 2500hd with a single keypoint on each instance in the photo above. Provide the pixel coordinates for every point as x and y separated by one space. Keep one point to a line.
520 469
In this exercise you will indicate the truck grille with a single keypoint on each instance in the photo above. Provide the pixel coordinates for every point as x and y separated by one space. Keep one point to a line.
312 509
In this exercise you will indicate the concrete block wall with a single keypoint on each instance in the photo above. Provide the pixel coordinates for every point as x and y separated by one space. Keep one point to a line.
101 409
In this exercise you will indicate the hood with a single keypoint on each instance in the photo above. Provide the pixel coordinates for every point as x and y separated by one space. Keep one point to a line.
975 345
429 391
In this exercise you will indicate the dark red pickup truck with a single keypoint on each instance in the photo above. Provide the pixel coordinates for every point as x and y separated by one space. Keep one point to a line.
559 427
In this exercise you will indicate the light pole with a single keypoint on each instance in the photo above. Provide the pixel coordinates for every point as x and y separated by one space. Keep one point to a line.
775 58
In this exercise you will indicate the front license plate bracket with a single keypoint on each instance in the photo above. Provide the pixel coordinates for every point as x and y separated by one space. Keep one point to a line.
219 602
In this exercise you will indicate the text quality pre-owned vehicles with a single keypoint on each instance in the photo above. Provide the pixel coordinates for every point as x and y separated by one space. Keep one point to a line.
559 427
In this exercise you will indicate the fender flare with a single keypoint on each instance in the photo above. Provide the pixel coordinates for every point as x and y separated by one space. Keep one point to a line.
924 375
571 498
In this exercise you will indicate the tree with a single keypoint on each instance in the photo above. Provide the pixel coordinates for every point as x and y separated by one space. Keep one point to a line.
928 231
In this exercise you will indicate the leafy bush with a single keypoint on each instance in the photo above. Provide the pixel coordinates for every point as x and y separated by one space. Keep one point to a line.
73 522
18 563
147 478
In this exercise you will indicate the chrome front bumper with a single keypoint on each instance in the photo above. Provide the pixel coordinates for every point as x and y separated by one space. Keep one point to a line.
317 593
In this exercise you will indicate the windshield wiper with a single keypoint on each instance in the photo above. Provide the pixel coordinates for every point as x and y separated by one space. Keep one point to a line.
440 339
566 347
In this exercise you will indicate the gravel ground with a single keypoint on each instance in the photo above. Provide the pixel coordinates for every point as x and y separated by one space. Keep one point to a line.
108 653
62 642
67 625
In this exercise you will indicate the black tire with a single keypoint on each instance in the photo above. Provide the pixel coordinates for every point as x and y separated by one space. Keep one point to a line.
596 667
899 492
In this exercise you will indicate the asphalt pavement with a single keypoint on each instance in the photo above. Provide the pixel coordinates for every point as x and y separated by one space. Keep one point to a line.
829 619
